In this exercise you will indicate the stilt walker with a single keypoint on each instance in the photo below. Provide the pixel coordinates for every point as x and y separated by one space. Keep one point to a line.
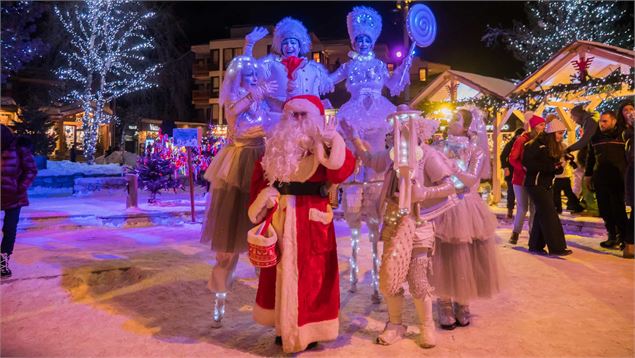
366 111
226 222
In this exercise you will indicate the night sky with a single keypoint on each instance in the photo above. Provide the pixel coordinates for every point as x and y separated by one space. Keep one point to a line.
458 43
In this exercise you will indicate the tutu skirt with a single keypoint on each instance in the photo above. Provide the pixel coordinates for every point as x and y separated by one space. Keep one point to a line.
465 262
226 222
367 111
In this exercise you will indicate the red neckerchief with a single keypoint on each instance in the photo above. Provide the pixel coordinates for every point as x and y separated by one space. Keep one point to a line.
292 63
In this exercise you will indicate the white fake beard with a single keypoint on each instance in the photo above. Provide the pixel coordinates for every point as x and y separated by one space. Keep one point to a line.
289 142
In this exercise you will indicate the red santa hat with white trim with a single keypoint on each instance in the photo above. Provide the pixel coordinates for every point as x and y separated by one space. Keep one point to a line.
305 103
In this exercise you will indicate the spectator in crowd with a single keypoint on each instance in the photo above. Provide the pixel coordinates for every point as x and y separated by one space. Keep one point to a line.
541 158
587 197
604 173
562 182
589 126
73 153
537 126
626 114
18 172
509 172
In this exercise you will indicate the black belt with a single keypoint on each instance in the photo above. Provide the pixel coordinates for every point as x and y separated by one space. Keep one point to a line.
298 188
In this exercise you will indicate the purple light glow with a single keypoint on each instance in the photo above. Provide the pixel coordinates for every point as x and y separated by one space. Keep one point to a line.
398 54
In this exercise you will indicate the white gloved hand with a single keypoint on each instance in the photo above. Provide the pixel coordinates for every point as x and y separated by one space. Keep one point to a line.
330 131
269 88
257 34
272 196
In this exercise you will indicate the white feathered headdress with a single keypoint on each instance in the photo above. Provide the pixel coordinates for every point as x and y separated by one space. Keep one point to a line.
291 28
363 21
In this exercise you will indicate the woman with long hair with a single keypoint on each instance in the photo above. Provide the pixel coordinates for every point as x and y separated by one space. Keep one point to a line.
541 158
226 223
536 126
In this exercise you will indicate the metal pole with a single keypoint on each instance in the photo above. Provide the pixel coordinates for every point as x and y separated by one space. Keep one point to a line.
189 170
406 44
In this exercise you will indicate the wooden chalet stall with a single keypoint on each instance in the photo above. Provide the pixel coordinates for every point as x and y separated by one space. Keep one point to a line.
454 88
583 72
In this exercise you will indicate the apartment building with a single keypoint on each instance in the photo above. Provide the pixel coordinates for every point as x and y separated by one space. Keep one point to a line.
212 59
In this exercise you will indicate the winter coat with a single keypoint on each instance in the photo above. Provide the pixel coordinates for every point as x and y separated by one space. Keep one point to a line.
541 166
589 128
18 172
516 159
628 175
606 156
504 157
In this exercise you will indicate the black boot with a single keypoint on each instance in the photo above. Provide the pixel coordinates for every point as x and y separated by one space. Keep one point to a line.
510 213
612 242
4 266
514 238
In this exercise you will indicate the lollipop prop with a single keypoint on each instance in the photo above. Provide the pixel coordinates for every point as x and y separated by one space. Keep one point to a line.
422 29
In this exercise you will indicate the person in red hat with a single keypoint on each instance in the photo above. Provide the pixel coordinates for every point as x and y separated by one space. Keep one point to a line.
303 156
536 126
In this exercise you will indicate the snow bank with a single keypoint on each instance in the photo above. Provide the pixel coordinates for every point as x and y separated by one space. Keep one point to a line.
65 167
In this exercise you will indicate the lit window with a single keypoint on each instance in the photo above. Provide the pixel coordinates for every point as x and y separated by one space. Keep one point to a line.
316 57
391 67
423 74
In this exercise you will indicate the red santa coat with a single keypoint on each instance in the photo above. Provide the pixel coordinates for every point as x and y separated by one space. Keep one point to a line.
300 296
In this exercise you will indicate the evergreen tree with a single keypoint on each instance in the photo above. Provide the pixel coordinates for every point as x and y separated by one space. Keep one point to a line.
36 126
157 170
554 24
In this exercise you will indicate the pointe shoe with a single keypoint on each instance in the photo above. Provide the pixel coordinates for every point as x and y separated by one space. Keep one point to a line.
392 333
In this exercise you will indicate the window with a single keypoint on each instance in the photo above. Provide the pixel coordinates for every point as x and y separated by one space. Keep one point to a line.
423 74
316 57
268 49
391 67
214 64
215 88
215 114
230 53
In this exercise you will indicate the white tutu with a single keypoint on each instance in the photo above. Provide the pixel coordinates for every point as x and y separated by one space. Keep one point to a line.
469 220
368 110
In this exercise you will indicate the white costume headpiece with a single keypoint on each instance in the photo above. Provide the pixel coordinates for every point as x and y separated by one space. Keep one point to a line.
291 28
363 21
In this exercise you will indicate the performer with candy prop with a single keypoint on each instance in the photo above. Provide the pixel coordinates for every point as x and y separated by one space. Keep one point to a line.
366 112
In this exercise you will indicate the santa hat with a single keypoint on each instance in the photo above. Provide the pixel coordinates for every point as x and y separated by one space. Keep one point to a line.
304 103
555 126
535 120
363 21
291 28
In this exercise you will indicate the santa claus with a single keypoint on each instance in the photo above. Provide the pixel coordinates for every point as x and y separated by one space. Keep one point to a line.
303 156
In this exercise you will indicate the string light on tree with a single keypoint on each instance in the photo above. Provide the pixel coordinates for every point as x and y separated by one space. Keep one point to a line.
106 59
554 24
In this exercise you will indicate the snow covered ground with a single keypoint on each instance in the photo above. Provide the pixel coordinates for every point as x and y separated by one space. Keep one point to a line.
66 167
142 292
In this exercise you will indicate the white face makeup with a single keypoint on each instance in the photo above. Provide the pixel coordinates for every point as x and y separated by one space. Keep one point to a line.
248 77
290 47
363 44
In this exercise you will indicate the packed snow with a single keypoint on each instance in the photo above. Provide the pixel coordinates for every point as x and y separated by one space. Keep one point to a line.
142 292
65 167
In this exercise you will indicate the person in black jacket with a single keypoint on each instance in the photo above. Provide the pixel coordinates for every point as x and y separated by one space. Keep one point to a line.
604 173
509 172
626 114
589 127
541 158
